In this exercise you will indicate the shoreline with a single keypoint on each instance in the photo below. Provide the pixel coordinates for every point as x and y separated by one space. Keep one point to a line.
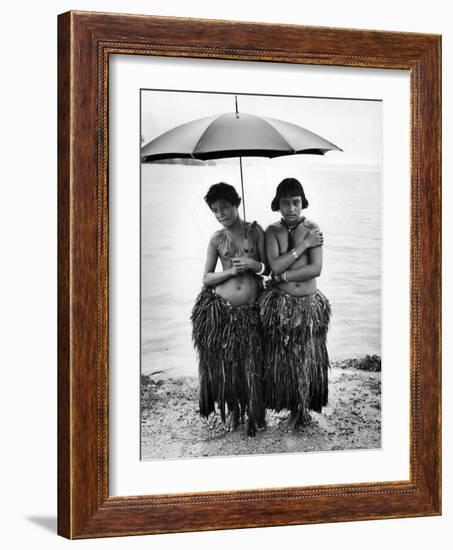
171 426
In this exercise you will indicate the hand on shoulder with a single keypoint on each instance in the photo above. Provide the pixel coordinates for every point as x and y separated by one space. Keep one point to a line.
314 237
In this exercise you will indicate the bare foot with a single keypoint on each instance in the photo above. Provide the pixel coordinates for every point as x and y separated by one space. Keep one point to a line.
304 418
289 425
300 417
233 420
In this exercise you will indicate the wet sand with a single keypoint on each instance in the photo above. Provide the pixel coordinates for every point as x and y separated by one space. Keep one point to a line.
173 428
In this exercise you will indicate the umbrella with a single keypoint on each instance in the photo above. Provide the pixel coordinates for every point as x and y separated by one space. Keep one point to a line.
235 135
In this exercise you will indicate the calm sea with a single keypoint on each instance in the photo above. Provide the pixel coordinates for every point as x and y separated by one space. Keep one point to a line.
176 226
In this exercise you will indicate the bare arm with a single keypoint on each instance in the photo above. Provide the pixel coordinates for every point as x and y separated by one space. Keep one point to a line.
277 263
210 277
261 250
311 270
280 263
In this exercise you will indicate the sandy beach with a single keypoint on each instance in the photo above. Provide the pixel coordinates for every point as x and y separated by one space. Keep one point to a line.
173 428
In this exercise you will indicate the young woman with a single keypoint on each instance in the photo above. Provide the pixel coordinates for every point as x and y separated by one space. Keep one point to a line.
294 313
225 319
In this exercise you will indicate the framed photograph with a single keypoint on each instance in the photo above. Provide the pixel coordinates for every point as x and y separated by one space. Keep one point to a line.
249 275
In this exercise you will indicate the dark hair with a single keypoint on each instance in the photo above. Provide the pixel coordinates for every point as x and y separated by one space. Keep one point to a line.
223 191
289 187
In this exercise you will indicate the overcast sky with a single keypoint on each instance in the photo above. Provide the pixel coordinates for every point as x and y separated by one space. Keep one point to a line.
353 125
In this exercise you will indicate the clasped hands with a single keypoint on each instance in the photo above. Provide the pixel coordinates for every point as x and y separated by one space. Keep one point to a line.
242 263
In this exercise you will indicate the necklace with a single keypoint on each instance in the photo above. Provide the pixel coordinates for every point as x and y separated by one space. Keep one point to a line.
229 234
291 230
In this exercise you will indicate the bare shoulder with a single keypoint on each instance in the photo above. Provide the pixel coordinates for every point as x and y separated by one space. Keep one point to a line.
257 227
216 238
310 224
273 228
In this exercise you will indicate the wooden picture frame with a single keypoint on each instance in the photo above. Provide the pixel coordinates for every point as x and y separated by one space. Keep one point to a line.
85 41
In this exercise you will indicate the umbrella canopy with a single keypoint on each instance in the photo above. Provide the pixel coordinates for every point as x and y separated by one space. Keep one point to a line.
235 135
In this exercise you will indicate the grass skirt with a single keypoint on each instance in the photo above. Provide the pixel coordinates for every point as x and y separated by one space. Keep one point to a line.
228 340
296 361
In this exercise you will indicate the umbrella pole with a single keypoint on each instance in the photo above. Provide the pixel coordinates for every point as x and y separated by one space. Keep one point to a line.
246 243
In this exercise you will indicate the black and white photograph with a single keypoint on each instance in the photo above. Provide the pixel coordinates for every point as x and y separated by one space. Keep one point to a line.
226 287
260 274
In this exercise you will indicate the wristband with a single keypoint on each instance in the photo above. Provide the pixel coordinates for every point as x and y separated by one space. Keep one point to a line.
262 270
294 253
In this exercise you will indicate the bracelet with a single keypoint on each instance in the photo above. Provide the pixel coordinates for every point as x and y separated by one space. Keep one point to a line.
285 276
294 253
262 270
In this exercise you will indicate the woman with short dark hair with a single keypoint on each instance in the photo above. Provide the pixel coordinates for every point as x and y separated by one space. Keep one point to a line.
225 319
294 313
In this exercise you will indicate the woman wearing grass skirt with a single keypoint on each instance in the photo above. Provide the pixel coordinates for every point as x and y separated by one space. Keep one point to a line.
294 313
226 326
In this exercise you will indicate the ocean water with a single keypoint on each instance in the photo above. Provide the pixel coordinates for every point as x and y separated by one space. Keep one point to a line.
177 224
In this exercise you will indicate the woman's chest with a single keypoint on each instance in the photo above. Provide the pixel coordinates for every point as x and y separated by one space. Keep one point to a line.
289 239
229 248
